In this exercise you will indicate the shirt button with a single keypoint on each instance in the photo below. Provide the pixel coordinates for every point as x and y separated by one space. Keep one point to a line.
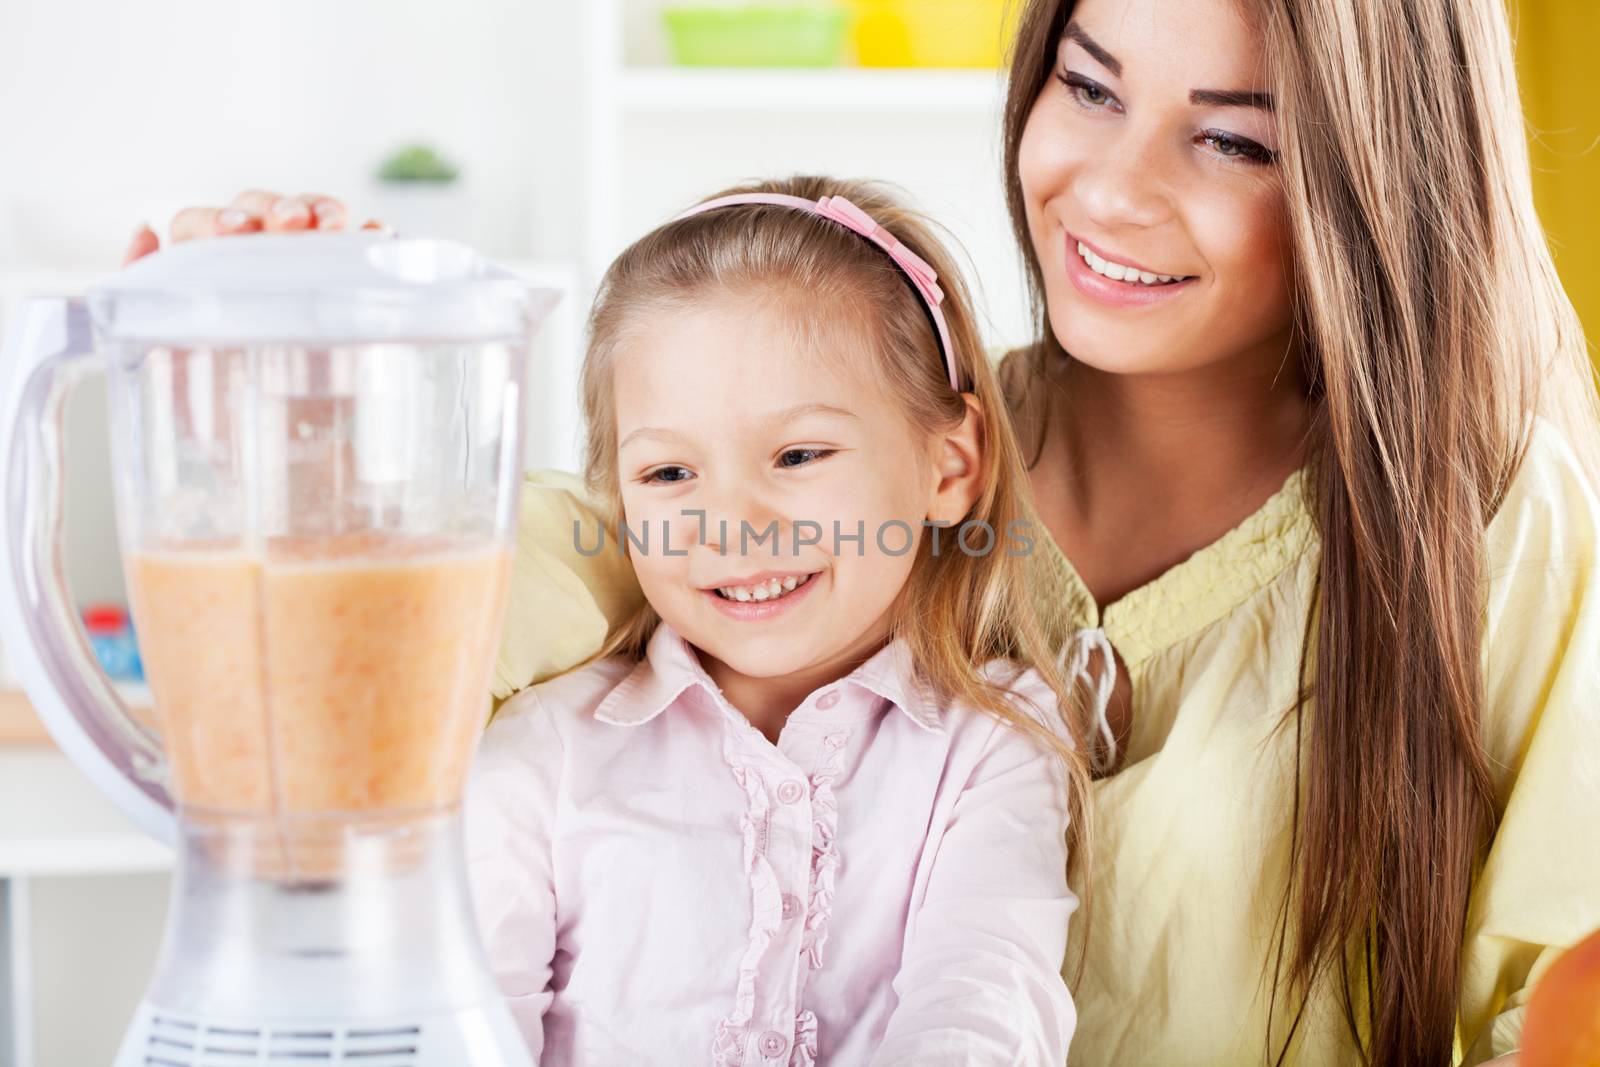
773 1044
790 791
828 699
791 905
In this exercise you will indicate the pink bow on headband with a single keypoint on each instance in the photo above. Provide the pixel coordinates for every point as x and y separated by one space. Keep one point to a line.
840 210
846 213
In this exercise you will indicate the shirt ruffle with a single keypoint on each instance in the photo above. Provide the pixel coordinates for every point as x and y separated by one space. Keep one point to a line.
767 902
766 910
819 908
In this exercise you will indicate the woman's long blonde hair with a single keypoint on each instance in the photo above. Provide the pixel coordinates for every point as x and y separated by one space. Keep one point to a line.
1435 331
960 609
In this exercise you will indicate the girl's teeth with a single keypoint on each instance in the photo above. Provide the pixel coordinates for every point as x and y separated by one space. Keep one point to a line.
1118 273
767 590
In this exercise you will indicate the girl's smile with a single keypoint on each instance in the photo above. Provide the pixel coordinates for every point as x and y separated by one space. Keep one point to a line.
764 598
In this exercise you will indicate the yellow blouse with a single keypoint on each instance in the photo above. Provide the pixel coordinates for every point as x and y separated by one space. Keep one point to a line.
1191 836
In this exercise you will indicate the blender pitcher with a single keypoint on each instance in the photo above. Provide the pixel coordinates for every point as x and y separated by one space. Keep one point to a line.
316 455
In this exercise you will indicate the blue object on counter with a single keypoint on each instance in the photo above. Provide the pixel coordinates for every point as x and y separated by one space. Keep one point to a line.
114 643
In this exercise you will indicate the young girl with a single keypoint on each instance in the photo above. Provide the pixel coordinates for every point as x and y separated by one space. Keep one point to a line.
813 803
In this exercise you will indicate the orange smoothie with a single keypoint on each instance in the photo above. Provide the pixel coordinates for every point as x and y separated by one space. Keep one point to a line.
320 678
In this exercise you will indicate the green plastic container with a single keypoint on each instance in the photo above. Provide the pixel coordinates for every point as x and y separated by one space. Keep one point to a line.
758 35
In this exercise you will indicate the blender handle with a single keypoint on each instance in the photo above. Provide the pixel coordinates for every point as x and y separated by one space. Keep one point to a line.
49 349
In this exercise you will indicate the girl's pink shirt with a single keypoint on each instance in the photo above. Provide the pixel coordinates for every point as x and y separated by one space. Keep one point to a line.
658 883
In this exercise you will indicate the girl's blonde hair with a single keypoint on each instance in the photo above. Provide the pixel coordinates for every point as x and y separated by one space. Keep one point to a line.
960 609
1435 332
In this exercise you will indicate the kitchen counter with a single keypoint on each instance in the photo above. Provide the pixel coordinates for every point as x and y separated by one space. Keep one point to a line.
18 724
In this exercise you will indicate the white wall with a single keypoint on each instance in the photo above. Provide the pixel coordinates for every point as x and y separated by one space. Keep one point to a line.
117 112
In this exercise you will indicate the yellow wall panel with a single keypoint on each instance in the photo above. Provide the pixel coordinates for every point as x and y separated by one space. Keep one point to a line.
1558 60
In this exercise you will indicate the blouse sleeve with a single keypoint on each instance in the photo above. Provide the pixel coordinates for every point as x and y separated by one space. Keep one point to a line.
980 980
1536 894
509 816
565 595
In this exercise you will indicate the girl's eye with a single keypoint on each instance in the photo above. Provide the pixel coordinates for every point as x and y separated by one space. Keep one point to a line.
799 457
1086 92
1232 147
666 475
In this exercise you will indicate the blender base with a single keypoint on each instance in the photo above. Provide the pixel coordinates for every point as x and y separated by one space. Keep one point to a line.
483 1036
322 942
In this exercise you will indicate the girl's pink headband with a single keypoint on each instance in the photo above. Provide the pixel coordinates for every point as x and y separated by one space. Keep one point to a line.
846 214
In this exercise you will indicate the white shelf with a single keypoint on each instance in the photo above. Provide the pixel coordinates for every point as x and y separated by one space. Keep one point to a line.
53 822
840 89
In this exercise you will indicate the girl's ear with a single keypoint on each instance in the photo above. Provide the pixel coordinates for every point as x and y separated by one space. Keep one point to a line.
958 466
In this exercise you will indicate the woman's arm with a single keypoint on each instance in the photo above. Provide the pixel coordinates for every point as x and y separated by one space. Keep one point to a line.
980 980
1536 894
565 597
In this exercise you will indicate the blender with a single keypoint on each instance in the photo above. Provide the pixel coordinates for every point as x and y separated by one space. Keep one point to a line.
316 455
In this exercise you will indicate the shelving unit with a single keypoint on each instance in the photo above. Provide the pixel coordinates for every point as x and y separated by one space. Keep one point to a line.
629 90
53 825
845 90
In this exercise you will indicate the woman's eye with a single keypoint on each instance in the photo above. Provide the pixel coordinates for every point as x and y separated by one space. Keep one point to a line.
1232 147
799 457
1086 92
665 475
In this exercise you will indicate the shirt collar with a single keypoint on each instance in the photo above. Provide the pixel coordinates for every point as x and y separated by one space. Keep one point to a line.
671 668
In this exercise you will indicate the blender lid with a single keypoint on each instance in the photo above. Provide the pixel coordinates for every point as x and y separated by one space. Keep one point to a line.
306 288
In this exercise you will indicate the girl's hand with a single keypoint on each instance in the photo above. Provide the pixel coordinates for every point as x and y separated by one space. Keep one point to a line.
253 211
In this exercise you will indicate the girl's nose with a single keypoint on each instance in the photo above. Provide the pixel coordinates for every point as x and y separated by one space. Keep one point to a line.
735 523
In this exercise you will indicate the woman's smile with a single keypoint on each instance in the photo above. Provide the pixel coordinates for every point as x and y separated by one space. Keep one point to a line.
1118 282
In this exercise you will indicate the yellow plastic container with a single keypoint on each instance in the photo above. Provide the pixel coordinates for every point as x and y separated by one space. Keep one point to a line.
934 33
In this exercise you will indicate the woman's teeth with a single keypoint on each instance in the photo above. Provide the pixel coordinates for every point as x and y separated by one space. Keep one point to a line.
1118 273
771 589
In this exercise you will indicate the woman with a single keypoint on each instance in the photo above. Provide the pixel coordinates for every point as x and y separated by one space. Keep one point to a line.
1323 464
1312 490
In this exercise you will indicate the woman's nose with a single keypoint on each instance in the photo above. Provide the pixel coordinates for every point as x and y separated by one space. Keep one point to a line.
1126 184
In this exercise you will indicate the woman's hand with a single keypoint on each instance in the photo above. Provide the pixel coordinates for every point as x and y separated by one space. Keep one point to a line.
253 211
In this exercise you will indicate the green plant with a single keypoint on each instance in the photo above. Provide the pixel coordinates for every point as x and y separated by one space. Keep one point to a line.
417 163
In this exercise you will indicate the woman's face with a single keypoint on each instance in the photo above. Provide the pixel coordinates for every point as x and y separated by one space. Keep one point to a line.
1149 173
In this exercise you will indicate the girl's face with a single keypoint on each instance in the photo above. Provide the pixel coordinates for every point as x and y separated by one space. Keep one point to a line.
729 429
1149 175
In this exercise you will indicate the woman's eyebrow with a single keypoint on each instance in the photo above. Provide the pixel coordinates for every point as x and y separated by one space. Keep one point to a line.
1074 32
1207 97
1231 98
